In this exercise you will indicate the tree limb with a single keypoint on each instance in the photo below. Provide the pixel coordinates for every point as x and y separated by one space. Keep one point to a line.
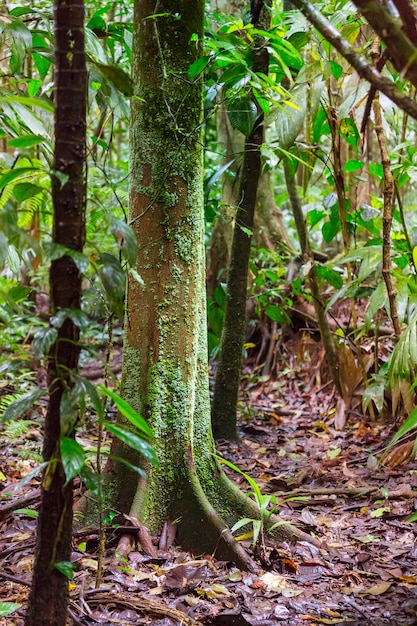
357 60
390 31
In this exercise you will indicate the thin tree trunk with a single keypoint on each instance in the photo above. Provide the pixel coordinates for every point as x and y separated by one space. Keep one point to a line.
308 261
224 408
49 591
388 194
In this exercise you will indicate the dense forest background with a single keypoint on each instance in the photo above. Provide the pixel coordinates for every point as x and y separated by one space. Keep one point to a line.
204 215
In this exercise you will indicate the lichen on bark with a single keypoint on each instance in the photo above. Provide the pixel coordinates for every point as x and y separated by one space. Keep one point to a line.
165 372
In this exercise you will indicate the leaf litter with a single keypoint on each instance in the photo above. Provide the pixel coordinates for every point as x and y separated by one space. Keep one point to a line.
323 469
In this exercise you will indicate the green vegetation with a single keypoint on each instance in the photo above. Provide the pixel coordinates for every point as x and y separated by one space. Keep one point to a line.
302 200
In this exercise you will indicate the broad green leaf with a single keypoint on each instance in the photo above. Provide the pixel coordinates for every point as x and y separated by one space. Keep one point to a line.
91 480
242 113
22 404
69 409
116 75
215 317
133 440
78 317
43 340
40 103
66 568
133 468
198 66
91 391
16 172
127 411
72 456
26 141
349 131
275 313
352 165
33 86
220 296
6 608
336 69
125 238
56 251
24 191
113 279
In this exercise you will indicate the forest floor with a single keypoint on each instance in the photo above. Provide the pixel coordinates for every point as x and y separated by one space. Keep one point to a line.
325 475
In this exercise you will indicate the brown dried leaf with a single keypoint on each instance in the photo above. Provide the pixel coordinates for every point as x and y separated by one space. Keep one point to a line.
399 454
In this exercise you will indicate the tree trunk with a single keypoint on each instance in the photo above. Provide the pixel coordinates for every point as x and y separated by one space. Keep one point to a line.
165 373
224 408
49 592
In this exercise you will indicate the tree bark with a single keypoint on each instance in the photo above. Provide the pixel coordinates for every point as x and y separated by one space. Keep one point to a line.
165 374
224 408
49 591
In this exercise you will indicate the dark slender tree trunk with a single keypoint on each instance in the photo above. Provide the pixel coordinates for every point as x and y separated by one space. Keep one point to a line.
48 598
224 409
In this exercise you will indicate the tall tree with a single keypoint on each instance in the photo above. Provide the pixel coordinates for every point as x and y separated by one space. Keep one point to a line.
165 373
224 411
49 592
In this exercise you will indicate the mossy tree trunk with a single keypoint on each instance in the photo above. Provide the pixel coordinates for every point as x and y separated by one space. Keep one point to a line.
48 598
224 408
165 373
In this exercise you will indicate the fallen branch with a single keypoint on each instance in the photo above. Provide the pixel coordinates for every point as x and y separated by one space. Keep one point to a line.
147 607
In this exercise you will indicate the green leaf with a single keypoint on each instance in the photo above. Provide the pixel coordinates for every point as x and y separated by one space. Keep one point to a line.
24 191
26 141
66 568
133 440
16 172
132 468
220 296
409 424
125 238
244 521
6 608
90 390
113 279
91 480
198 66
27 512
69 409
336 69
127 411
242 113
43 340
72 456
21 405
116 75
255 487
275 313
349 131
39 103
32 474
56 251
78 318
352 165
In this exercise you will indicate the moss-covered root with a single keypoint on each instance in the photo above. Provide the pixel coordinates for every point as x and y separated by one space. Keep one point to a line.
200 528
239 505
